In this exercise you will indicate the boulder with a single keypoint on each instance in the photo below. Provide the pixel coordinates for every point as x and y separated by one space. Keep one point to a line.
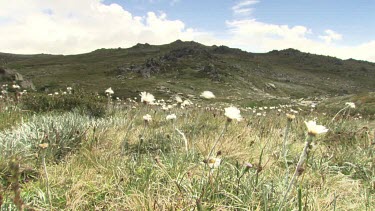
9 75
270 86
27 85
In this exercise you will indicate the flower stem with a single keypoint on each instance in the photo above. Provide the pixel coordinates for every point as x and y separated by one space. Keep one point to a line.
298 168
142 137
125 143
184 138
218 139
284 152
47 180
339 113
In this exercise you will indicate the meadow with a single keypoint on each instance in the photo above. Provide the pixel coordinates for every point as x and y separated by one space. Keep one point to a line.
73 150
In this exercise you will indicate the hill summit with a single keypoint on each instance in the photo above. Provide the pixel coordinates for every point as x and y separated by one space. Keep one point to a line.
190 67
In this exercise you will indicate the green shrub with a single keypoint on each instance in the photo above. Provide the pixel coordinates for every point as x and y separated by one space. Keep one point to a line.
86 103
64 133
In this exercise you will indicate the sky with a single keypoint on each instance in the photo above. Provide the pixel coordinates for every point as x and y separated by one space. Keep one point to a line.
339 28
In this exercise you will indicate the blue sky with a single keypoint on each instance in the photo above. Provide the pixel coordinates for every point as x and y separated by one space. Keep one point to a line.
352 18
340 28
205 15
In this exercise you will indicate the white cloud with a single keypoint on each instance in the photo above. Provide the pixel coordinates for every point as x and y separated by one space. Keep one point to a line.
256 36
244 11
70 26
330 36
244 3
243 7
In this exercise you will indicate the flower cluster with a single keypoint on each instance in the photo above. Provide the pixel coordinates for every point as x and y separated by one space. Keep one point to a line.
147 98
313 129
233 113
109 91
171 117
147 118
350 104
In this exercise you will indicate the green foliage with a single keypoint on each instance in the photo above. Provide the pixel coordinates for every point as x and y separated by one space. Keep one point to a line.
10 115
90 104
365 104
63 134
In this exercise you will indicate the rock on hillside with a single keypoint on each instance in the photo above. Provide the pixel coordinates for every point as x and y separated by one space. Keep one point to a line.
9 75
168 61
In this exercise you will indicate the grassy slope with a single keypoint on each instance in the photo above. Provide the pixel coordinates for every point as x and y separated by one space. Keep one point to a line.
243 75
123 164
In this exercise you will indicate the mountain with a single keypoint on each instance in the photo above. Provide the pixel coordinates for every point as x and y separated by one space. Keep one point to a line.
190 68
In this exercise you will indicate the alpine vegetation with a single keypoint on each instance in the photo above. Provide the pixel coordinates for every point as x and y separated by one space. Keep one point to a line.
182 153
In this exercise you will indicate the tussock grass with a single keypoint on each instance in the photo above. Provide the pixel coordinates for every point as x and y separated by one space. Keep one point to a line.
119 162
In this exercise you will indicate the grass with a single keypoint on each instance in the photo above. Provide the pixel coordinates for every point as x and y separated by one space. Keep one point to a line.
10 116
364 101
116 161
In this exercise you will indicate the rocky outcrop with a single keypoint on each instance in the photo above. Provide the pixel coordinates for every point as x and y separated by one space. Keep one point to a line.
187 52
151 66
211 71
9 75
162 63
230 51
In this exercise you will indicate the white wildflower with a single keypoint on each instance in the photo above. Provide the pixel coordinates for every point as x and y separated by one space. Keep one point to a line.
164 108
147 118
109 91
69 89
15 86
214 162
350 104
233 113
171 117
314 129
186 103
147 98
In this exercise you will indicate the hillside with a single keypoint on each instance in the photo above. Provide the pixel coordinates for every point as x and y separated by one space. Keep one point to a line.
80 151
190 67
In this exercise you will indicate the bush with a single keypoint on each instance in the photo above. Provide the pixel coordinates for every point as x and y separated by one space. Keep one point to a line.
65 133
86 103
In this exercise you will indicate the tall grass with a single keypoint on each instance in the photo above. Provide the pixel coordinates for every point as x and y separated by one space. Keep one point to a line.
99 163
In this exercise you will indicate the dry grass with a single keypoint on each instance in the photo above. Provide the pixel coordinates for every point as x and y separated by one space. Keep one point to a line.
125 165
